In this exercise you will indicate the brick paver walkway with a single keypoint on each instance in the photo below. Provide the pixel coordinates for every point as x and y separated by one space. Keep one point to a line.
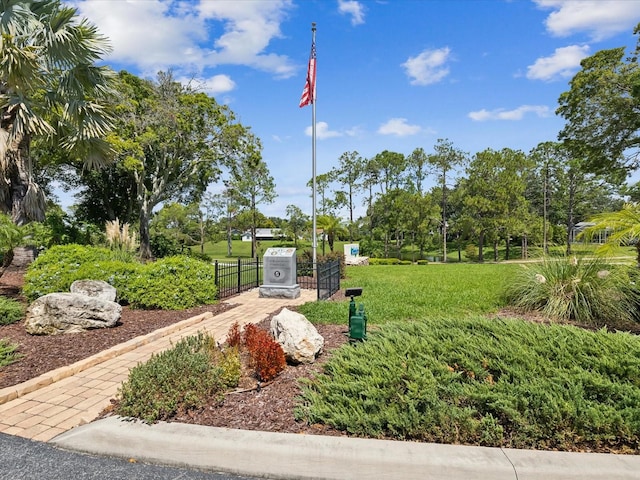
64 398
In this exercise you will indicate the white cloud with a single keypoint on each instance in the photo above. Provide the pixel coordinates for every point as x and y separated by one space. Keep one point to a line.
157 34
602 19
502 114
562 64
322 131
212 86
353 8
398 127
428 67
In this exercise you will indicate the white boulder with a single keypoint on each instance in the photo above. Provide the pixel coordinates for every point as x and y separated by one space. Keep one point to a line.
298 337
58 313
95 288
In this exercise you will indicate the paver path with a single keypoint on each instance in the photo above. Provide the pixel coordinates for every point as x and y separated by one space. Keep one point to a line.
64 398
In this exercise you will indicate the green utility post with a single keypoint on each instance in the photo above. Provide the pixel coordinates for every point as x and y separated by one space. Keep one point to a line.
357 317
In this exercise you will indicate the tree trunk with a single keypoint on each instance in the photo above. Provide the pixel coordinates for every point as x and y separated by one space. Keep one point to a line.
495 250
480 247
507 247
21 197
145 239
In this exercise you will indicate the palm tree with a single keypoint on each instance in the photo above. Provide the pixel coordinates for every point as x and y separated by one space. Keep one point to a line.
331 227
50 91
623 227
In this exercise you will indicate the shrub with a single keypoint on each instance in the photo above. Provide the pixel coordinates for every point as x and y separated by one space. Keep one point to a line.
266 354
10 311
588 291
8 352
384 261
422 262
177 379
174 283
471 252
163 246
477 381
57 268
234 337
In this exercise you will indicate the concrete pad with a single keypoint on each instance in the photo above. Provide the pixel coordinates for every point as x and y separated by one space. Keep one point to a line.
281 455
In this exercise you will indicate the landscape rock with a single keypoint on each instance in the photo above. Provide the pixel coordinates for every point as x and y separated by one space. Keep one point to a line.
298 337
357 261
95 288
58 313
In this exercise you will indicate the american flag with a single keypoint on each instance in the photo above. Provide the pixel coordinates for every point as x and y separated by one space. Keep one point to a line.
309 91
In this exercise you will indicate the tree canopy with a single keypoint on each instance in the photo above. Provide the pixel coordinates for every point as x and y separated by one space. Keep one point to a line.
602 110
51 90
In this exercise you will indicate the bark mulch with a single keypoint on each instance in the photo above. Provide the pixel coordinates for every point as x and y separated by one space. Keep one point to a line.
267 407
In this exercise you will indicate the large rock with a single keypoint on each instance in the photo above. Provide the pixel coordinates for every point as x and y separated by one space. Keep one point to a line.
298 337
58 313
95 288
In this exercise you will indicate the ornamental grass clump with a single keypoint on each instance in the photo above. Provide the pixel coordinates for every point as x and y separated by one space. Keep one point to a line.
179 379
589 291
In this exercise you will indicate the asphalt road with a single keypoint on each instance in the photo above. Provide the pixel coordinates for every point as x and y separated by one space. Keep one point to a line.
22 459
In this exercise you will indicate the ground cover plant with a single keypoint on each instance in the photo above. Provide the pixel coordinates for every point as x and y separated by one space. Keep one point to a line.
8 352
178 379
484 382
10 311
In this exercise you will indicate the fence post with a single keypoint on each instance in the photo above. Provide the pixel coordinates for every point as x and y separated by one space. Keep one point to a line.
257 271
216 275
239 272
318 278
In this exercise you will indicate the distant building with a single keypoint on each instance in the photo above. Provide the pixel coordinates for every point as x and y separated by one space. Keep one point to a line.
578 228
264 234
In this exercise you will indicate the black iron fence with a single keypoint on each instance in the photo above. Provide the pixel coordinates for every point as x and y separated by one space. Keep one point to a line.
237 276
240 275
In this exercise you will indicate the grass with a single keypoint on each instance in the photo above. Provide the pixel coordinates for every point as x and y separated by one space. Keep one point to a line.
415 292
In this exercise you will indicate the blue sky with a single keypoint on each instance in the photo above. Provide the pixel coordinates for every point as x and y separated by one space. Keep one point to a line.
394 74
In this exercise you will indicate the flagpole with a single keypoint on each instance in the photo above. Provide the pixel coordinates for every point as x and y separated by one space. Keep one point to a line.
314 242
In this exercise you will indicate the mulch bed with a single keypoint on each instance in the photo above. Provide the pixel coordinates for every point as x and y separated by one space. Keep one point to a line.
267 407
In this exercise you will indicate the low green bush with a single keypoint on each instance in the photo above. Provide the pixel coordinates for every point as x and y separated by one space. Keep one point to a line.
173 283
422 262
589 291
57 268
504 383
471 252
8 352
10 311
178 379
384 261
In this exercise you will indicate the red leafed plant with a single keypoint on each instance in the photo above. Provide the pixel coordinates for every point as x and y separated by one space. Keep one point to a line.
234 337
266 354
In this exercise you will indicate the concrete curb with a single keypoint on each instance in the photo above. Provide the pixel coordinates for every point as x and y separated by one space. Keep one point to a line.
15 391
282 455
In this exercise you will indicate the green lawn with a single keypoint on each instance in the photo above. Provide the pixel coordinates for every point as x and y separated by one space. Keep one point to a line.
414 292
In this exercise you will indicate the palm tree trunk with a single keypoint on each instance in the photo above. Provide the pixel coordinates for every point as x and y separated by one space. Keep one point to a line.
20 197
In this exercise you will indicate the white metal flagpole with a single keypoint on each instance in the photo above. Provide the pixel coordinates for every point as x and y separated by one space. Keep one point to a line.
314 242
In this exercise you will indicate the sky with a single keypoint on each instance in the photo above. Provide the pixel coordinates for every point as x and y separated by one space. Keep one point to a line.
391 74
